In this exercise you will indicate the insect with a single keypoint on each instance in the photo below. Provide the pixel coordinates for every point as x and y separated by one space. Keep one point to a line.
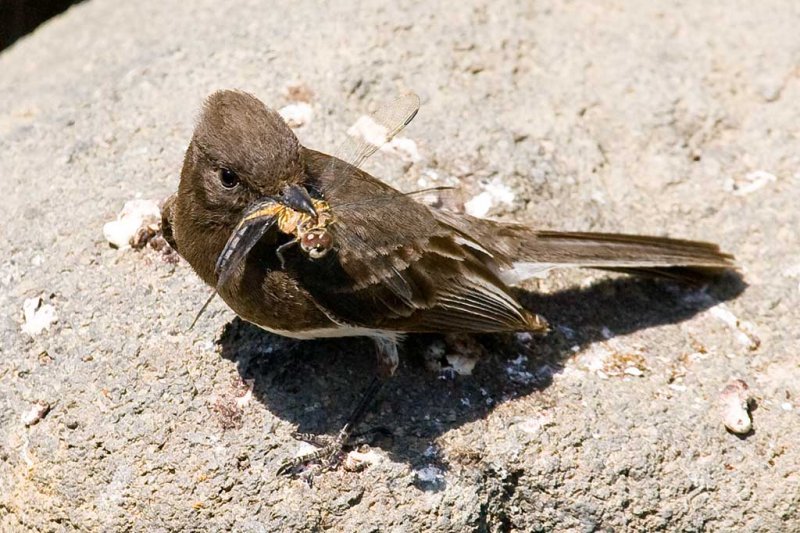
310 233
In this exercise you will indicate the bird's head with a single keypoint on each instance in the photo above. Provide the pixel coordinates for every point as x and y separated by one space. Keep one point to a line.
242 158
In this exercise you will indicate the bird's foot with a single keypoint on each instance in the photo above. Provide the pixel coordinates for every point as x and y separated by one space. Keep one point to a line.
331 452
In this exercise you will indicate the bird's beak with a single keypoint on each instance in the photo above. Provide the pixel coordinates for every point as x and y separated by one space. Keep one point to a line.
296 198
260 218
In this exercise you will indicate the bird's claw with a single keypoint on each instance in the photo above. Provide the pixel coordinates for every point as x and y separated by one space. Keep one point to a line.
329 456
331 452
320 441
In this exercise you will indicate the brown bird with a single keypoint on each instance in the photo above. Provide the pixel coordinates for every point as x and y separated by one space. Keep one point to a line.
306 245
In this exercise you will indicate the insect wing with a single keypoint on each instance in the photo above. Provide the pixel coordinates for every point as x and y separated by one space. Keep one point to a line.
366 136
371 132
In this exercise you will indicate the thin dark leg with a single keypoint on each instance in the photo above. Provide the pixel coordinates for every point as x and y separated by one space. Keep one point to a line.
353 420
360 411
331 451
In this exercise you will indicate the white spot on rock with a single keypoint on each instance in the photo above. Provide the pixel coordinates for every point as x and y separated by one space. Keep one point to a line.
495 192
135 215
534 424
37 412
368 129
462 364
38 315
429 474
480 205
245 399
404 148
305 448
297 114
517 371
370 457
751 182
524 337
743 331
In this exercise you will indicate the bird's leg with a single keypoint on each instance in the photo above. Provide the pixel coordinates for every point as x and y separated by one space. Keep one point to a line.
330 454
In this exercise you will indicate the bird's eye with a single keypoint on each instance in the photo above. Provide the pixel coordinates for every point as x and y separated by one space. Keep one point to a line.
228 178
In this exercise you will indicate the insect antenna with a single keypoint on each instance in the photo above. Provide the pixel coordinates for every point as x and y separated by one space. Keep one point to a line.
388 197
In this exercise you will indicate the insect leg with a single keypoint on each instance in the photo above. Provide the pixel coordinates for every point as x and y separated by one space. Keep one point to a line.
281 248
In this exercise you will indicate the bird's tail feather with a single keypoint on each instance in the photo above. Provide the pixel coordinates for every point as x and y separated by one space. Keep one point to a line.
616 250
527 253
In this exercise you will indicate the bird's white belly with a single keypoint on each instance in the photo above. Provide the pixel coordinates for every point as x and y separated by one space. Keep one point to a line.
340 331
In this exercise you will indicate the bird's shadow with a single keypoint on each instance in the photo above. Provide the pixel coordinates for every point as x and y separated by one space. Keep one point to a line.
315 384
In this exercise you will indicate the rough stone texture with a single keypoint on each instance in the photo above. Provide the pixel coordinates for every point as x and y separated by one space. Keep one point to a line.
628 116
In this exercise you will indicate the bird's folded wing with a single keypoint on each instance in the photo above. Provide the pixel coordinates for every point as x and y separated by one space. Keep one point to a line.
396 267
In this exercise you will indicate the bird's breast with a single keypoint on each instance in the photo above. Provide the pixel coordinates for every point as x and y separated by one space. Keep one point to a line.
274 301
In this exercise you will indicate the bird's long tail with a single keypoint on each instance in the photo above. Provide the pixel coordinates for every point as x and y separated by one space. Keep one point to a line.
524 253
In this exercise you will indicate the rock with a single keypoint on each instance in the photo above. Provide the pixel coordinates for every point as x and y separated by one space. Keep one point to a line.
735 407
586 130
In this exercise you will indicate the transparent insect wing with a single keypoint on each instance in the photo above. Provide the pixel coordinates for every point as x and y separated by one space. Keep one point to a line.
370 133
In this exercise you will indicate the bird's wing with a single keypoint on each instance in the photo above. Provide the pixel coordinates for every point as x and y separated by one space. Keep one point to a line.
395 266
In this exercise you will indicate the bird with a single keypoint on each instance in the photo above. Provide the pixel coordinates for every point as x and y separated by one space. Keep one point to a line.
307 245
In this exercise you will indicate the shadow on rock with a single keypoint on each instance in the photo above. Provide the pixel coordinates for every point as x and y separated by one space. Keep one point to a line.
315 384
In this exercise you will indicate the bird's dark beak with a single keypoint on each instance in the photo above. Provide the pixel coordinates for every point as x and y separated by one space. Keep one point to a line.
259 218
296 198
